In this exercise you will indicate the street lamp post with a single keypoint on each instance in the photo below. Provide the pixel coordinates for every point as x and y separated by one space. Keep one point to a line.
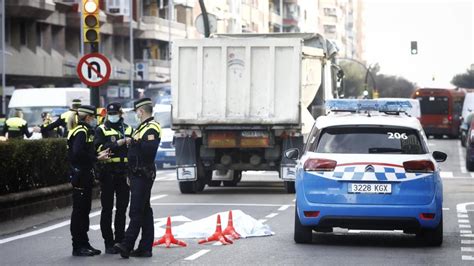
367 74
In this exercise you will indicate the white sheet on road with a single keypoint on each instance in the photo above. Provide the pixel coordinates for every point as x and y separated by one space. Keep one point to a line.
244 224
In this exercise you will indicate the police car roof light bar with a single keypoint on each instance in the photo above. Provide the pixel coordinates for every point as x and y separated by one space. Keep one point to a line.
357 105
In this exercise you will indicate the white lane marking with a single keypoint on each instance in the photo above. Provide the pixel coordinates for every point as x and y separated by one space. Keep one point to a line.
464 226
214 204
56 226
158 197
472 175
262 221
446 174
468 235
462 215
463 221
462 207
467 242
197 254
461 155
468 232
354 231
271 215
445 209
467 257
467 249
284 207
295 199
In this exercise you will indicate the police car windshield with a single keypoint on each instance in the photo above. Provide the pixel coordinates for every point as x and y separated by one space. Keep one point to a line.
365 140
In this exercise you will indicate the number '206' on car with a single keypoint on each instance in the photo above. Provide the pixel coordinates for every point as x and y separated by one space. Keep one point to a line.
368 170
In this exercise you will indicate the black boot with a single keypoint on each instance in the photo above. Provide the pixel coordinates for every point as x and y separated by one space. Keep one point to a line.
124 251
141 253
94 250
110 250
82 252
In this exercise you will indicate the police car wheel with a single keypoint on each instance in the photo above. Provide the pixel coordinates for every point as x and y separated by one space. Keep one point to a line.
432 237
290 187
302 234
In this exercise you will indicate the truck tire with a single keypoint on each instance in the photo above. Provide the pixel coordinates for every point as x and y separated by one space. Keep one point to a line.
302 234
235 181
214 183
290 187
432 237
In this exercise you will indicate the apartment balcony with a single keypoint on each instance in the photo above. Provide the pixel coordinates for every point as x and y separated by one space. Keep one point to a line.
152 70
155 28
33 9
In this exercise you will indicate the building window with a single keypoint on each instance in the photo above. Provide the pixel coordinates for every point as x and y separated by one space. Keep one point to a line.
23 37
328 29
39 34
330 12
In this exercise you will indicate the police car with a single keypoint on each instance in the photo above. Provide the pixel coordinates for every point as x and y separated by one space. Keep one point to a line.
366 165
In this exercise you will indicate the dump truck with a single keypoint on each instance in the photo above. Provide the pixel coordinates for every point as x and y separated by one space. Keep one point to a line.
240 100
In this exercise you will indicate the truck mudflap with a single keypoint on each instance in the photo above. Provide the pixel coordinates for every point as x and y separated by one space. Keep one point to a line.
186 161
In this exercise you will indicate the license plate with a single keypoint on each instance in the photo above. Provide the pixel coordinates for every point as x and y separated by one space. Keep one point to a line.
370 188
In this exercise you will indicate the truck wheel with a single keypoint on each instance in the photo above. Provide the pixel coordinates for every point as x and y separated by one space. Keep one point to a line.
290 187
302 234
235 181
214 183
433 237
187 187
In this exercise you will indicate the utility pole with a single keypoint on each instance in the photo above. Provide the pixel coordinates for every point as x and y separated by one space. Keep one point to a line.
4 99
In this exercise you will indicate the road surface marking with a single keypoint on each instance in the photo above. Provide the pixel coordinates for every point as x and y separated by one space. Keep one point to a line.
56 226
197 254
462 207
467 257
467 242
445 209
271 215
468 235
215 204
446 175
462 215
464 226
467 249
262 221
469 232
472 175
463 221
461 155
284 207
158 197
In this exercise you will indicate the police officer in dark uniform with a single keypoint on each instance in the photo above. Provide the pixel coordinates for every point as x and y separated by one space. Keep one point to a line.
63 120
115 135
16 127
141 156
82 156
46 121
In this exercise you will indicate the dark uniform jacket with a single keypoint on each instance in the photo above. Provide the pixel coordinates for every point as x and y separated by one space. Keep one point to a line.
106 137
145 142
60 122
81 152
54 133
16 128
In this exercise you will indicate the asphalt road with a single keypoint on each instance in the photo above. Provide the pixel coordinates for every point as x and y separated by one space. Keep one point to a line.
45 238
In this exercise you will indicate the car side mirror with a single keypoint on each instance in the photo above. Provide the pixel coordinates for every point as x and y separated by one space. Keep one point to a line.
292 154
439 156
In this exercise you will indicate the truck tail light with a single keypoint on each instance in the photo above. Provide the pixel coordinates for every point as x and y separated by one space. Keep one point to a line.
320 165
222 140
425 166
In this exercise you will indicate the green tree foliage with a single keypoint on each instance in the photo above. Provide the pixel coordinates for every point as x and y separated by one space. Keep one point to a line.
393 86
354 79
464 80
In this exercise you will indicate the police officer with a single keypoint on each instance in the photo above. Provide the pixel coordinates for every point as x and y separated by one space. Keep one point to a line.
115 135
63 120
141 155
46 121
15 127
82 157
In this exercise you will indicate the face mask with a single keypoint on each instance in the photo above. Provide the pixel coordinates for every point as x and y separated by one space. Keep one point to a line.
93 123
137 116
114 118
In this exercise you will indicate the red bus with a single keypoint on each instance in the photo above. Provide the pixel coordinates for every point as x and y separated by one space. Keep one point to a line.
441 110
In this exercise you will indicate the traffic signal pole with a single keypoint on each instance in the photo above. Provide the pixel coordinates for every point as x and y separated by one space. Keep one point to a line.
90 11
95 91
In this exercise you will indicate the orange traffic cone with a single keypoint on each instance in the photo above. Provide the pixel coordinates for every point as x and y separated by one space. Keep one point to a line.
230 230
218 235
168 238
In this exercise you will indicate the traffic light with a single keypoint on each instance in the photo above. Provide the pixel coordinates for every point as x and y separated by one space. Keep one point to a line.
90 19
414 47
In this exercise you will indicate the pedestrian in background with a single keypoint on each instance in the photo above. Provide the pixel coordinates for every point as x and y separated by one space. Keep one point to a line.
141 156
46 116
63 120
82 157
16 127
115 135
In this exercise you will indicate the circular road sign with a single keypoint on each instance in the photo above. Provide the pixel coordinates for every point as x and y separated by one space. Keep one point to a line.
94 69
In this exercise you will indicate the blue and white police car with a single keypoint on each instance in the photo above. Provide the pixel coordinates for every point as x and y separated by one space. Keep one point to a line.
366 165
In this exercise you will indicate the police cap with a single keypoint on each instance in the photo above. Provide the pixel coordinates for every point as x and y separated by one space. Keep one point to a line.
113 108
88 109
142 102
76 103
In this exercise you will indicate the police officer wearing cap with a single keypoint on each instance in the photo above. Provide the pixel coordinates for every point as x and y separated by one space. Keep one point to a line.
82 156
115 135
46 121
16 127
63 120
141 156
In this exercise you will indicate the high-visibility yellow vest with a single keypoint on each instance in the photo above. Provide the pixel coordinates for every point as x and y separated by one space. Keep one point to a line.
15 123
138 134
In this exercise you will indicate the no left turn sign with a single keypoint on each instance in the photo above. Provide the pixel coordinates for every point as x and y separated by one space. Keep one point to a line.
94 69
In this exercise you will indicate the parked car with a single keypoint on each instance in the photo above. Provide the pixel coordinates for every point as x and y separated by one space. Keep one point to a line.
470 147
464 128
166 155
